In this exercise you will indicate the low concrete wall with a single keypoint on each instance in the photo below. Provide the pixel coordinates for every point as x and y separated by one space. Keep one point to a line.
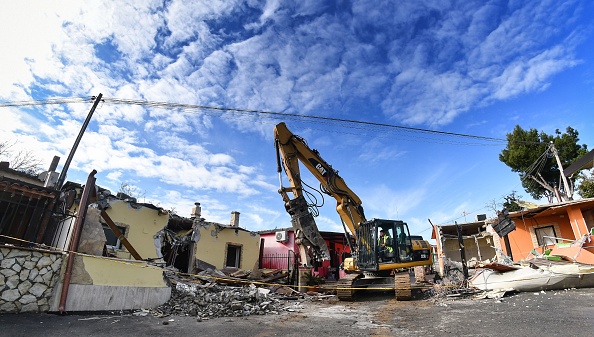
27 278
104 284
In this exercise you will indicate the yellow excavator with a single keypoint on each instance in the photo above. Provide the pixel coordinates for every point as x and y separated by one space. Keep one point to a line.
382 250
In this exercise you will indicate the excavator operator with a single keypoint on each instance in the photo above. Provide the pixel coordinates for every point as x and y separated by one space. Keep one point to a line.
382 244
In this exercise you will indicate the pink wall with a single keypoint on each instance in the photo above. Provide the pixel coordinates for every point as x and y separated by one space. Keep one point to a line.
271 246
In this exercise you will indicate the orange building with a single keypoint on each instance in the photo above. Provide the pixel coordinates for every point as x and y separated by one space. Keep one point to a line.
565 228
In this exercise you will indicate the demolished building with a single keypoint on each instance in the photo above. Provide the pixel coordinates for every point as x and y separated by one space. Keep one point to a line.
194 244
478 239
566 228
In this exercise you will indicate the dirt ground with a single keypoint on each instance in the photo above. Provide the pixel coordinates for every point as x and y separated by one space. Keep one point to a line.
551 313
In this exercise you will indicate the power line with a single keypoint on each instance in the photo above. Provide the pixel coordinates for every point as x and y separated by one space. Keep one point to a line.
48 102
272 114
283 114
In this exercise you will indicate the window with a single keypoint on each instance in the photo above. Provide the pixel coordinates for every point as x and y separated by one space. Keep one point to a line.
112 239
545 236
233 258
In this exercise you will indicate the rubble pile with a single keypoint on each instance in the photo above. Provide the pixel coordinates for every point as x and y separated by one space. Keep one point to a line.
213 300
450 286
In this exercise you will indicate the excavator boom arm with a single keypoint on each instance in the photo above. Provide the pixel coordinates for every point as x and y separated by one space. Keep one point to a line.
292 150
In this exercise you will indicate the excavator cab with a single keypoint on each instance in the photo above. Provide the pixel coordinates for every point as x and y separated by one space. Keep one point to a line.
385 243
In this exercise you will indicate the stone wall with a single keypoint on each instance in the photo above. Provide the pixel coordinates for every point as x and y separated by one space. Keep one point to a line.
92 237
27 278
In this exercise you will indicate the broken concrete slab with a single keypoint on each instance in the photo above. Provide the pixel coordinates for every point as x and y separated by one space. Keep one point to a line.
536 276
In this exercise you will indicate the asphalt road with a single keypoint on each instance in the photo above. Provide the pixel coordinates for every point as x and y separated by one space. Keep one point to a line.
551 313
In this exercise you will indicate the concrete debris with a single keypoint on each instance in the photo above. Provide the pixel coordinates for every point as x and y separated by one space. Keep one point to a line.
212 300
238 276
217 301
213 294
286 291
493 294
536 275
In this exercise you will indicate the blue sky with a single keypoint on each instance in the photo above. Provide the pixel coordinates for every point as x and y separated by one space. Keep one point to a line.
471 67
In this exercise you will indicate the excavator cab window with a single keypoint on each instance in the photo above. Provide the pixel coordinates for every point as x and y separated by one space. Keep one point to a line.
404 244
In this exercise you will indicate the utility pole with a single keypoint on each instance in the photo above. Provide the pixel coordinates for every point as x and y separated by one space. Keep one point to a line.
462 251
62 177
566 188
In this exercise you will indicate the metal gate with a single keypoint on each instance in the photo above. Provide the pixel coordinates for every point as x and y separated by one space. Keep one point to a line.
25 212
279 261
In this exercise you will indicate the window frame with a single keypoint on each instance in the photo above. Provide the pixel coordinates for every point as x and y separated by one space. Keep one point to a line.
123 229
238 254
544 242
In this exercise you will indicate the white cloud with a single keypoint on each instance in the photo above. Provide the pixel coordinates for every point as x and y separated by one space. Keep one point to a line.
114 176
425 63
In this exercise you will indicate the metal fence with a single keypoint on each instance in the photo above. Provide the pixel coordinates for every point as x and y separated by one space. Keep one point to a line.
285 261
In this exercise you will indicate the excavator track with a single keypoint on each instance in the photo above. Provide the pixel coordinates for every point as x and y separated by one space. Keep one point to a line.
402 286
344 287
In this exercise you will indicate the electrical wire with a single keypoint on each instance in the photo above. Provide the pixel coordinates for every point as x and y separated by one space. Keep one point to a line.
50 101
247 114
385 128
284 115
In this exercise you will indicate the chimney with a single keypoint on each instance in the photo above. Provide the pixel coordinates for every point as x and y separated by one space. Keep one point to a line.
481 217
54 164
196 210
234 219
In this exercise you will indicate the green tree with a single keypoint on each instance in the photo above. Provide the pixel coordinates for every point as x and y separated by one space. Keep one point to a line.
586 188
530 153
511 202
